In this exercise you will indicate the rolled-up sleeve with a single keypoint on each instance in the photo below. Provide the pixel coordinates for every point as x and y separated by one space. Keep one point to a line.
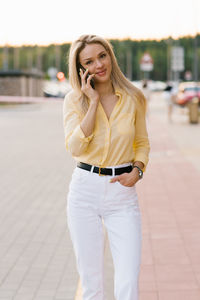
75 140
141 144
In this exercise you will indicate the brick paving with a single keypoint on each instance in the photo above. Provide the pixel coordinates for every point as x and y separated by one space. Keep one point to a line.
170 203
36 257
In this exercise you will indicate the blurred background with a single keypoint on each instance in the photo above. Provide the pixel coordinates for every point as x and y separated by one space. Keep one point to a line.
152 41
157 45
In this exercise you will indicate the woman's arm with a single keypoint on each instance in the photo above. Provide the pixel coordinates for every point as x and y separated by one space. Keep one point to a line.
141 144
141 148
78 130
87 124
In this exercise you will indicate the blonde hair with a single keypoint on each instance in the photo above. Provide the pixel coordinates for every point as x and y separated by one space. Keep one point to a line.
117 77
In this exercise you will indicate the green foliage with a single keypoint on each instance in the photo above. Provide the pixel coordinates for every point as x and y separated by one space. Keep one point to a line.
128 53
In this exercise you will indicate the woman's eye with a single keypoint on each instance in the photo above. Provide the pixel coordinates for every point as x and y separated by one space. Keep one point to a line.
103 55
88 62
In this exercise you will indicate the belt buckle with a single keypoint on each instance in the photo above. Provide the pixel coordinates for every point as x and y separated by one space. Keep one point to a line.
100 172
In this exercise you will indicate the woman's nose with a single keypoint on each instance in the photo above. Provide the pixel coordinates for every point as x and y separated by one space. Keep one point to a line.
98 63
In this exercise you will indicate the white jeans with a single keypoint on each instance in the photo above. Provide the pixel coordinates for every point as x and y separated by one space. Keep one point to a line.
91 200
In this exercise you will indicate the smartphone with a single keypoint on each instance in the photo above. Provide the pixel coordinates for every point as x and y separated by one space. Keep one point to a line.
78 70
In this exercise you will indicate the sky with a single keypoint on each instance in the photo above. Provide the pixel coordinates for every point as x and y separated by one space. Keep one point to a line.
42 22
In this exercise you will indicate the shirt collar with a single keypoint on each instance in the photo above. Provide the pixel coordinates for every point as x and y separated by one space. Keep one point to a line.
118 92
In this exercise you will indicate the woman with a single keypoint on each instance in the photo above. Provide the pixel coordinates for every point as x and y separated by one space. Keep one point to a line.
105 132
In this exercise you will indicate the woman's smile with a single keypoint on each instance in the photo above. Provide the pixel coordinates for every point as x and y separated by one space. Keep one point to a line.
101 73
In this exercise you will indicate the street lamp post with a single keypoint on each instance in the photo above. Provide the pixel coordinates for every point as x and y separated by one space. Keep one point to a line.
16 58
57 56
169 70
5 58
195 61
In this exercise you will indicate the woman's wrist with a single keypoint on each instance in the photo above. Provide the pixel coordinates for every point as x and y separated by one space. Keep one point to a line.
134 173
139 164
138 168
94 102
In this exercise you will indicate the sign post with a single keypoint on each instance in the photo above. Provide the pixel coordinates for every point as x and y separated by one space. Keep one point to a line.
177 61
146 64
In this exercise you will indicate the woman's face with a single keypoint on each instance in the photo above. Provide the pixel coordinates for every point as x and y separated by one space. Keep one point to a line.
96 59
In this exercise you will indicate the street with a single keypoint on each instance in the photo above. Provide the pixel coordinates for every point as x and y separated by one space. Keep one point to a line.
36 256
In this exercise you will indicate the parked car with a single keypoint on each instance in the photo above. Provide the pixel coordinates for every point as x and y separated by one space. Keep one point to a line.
187 91
56 89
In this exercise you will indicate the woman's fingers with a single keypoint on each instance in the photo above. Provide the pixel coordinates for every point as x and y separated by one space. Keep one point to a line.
90 78
114 179
86 79
86 86
124 179
83 76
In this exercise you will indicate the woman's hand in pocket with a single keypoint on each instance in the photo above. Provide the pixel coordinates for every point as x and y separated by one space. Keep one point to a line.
127 179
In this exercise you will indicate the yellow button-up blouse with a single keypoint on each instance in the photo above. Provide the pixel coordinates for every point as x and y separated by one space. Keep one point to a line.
121 139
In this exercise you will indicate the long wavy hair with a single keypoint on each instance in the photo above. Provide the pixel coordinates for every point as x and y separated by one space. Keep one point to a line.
117 77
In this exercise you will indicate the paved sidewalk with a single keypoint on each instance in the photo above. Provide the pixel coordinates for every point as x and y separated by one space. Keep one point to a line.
170 204
36 257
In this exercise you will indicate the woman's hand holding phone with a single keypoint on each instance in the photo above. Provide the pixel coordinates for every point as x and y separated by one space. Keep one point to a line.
88 122
86 87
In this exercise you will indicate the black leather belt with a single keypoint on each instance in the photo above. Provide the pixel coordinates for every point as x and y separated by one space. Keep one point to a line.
105 171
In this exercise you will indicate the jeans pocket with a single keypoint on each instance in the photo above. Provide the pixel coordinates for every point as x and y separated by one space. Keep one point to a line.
126 187
126 193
